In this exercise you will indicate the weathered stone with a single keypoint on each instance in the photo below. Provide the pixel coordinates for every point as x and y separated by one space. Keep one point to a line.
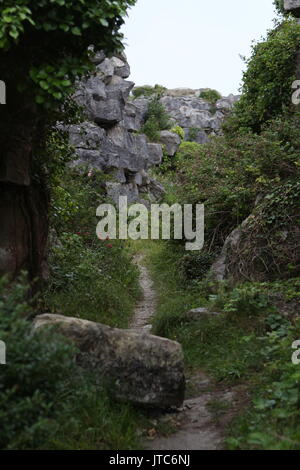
105 70
138 367
86 136
196 135
292 6
142 104
131 148
115 81
121 68
133 117
219 267
156 190
198 313
155 154
180 92
171 141
188 111
130 190
226 104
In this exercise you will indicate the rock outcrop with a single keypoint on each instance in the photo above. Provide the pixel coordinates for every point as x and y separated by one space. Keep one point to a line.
138 367
199 118
171 142
109 140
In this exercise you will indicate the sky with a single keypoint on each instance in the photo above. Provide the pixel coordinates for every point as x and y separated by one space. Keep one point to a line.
194 43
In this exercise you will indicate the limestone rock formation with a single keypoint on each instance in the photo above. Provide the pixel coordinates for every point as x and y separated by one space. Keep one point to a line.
171 141
199 118
109 140
138 367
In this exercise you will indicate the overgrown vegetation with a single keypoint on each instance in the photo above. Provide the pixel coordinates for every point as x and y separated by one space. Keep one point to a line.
212 96
251 173
249 176
156 120
267 81
89 278
147 91
243 175
47 401
248 343
279 4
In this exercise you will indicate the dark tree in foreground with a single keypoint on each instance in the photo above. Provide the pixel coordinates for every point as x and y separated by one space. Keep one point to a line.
43 48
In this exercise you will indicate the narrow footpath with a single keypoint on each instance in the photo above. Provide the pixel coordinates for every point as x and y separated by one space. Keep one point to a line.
194 425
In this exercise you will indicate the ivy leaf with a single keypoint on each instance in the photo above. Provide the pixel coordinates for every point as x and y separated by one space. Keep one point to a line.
76 31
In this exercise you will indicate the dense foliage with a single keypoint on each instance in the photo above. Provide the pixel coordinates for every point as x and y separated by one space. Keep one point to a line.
47 401
156 120
147 91
279 4
46 43
267 81
247 347
242 175
210 95
90 278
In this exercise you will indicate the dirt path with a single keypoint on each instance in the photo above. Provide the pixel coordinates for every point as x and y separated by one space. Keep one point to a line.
199 424
145 309
195 426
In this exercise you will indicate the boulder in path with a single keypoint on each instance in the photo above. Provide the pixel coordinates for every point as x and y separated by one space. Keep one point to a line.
139 367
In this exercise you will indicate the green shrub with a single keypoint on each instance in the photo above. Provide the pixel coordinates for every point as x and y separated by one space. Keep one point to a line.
46 400
147 91
37 374
156 120
212 96
229 173
151 129
89 278
267 82
97 283
179 131
193 133
279 4
196 265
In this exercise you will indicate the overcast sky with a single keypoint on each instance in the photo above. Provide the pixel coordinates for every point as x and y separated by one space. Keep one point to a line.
194 43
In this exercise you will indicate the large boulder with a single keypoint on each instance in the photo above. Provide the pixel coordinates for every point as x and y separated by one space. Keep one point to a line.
138 367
